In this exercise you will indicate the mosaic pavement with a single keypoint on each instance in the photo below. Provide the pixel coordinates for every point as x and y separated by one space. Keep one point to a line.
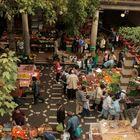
45 113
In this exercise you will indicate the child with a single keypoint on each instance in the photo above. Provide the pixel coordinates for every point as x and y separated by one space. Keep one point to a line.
86 108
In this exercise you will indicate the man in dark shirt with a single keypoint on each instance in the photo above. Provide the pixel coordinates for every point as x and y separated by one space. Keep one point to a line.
36 90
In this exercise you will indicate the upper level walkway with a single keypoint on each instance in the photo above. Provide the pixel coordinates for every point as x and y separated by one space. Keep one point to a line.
131 5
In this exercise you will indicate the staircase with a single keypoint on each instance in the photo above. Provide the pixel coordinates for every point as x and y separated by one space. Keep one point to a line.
126 71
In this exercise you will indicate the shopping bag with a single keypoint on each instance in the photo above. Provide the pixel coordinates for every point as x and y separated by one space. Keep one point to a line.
97 101
134 122
59 127
65 136
78 132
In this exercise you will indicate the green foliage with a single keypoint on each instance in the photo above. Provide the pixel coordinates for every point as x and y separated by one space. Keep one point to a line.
76 15
131 33
29 6
9 8
133 93
114 88
93 6
8 76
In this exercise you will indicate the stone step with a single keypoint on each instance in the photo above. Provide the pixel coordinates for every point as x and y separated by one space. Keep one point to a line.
128 63
127 72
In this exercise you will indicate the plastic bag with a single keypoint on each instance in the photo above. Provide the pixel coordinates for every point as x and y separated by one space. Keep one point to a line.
59 127
65 136
78 132
134 121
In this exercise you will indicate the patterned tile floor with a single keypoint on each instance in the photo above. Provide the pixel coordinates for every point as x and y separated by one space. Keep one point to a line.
41 113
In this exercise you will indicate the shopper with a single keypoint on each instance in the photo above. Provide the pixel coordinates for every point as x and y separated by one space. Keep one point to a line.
18 117
86 107
98 97
64 77
103 44
115 110
106 56
123 99
72 82
80 98
107 105
58 69
61 114
72 123
36 90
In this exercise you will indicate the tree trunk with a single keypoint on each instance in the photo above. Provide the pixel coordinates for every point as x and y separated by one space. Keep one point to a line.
94 31
26 34
11 38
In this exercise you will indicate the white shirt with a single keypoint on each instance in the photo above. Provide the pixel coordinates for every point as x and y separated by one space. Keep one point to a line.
86 105
79 63
107 103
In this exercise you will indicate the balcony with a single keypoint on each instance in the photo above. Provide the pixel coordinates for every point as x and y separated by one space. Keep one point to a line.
131 5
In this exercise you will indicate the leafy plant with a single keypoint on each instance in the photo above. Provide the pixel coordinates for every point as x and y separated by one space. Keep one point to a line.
132 84
8 76
114 88
131 33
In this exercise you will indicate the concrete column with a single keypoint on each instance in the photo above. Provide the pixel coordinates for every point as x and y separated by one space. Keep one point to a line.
94 31
26 34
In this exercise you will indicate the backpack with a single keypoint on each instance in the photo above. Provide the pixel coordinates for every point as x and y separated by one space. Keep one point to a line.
64 79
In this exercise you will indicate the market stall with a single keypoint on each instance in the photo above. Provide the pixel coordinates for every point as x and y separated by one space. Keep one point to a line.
41 43
25 74
25 132
113 130
109 77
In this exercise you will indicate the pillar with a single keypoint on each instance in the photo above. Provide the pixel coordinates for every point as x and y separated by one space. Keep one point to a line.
26 34
94 31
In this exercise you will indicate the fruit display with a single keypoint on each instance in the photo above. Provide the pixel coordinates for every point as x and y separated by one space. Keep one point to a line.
25 132
24 75
24 83
109 77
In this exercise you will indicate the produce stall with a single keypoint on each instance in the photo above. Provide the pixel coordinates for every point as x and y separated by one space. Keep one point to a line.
38 43
113 130
24 79
24 132
109 77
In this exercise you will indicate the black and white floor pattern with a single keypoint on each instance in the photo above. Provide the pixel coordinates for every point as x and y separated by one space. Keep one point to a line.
45 113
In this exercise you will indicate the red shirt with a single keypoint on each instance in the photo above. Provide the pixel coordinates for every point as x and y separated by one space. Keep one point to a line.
58 67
